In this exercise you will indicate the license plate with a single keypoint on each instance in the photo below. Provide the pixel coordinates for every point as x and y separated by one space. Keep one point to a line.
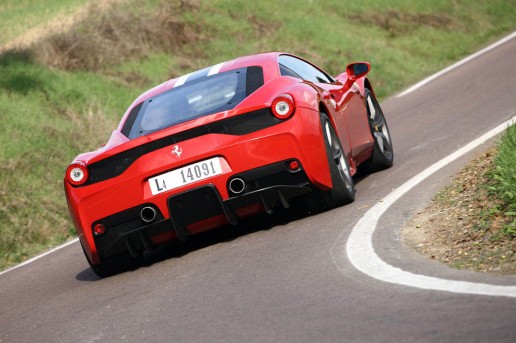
185 175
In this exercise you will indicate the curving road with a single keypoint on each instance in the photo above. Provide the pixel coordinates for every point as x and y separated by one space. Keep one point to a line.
286 278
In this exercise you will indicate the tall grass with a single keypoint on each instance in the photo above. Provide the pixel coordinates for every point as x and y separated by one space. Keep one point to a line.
505 176
63 95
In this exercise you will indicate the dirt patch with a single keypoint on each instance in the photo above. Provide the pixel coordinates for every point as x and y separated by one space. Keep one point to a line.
115 36
462 227
106 33
61 23
398 23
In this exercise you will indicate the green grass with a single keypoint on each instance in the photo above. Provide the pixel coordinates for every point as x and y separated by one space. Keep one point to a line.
504 175
48 116
404 40
16 17
51 110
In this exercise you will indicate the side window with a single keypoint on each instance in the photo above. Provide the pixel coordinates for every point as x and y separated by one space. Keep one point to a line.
291 66
285 71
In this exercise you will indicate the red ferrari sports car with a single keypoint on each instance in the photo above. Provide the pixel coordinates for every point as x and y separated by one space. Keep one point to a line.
223 143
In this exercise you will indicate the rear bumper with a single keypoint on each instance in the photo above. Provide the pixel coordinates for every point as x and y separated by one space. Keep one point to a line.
269 187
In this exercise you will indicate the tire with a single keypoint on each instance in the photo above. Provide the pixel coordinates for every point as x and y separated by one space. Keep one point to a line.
343 186
343 190
383 153
114 265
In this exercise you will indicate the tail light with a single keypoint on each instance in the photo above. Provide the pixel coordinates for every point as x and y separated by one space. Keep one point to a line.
294 165
77 173
283 107
99 230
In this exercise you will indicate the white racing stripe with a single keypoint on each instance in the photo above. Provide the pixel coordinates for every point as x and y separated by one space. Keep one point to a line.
181 81
215 69
453 66
361 253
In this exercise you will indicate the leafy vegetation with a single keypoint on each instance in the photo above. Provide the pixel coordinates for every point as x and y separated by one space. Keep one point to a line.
63 94
504 174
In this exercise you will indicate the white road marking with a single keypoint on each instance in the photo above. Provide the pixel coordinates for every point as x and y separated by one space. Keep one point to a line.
361 254
453 66
40 256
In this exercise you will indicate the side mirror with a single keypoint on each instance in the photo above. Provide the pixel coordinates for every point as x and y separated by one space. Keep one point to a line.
357 70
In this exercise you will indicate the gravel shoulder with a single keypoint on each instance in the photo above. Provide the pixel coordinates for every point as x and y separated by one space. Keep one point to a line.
462 226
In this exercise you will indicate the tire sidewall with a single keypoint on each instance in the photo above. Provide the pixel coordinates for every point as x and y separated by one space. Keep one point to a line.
379 160
339 194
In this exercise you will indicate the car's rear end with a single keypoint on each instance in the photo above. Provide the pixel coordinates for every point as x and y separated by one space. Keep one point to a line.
198 155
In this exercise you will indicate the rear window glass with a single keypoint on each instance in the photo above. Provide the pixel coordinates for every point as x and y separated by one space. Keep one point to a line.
193 99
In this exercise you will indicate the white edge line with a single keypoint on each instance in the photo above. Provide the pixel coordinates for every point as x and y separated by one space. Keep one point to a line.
362 256
453 66
40 256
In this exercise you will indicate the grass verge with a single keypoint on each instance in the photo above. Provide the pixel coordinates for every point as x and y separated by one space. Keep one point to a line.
504 185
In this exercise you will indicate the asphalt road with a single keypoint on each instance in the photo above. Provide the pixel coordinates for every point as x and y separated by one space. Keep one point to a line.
286 278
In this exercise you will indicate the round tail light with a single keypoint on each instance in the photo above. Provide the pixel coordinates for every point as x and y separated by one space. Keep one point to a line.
77 173
283 107
293 165
99 230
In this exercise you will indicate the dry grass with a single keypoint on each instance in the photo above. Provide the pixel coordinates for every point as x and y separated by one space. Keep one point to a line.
398 23
464 224
116 36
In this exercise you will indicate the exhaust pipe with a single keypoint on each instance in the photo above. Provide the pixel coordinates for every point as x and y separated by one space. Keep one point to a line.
148 214
237 185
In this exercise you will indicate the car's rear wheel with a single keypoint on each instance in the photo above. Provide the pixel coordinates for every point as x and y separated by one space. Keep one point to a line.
343 186
343 189
383 154
114 264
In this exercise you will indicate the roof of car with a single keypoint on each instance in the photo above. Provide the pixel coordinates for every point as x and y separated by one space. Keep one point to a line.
268 62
